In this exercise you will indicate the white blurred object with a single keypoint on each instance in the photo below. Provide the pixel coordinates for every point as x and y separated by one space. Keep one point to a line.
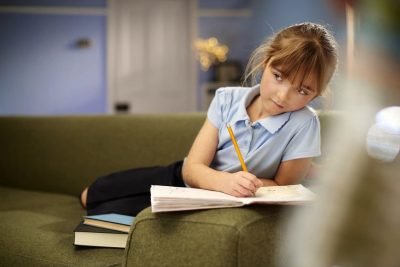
383 139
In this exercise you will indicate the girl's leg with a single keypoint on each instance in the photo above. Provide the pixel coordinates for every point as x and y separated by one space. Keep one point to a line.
83 197
128 192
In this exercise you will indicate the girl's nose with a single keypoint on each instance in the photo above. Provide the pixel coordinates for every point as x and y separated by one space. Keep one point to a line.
283 93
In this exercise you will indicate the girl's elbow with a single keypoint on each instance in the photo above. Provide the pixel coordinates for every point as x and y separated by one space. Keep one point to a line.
186 172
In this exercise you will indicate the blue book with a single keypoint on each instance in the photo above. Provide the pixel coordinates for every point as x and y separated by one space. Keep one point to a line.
111 221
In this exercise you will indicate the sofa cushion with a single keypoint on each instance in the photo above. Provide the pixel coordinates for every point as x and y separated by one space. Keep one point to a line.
246 236
37 230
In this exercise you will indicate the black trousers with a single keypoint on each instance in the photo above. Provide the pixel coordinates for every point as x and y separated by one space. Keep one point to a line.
128 192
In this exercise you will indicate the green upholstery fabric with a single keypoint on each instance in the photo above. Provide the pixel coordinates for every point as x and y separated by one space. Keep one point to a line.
247 236
63 154
37 230
56 157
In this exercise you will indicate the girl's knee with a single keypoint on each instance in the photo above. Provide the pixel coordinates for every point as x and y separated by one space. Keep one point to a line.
83 197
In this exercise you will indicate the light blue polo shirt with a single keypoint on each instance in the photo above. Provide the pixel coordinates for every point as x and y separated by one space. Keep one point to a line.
264 143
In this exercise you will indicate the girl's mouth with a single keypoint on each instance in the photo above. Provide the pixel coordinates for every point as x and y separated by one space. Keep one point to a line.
276 103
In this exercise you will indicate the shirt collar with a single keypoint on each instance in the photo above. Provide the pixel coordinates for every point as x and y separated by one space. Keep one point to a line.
241 114
274 123
271 124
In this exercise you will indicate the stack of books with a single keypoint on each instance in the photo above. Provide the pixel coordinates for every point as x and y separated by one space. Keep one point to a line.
105 230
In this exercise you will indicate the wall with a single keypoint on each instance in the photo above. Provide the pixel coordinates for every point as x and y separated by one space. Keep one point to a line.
42 69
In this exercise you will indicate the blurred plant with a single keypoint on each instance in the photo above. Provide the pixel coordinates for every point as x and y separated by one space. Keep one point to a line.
210 51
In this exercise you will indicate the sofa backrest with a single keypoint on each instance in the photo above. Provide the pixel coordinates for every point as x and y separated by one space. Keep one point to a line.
65 153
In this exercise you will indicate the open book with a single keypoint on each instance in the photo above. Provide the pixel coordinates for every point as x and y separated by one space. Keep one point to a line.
170 198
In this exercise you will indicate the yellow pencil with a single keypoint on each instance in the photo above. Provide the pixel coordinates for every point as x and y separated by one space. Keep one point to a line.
244 167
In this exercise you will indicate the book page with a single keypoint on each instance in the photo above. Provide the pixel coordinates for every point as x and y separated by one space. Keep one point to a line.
188 193
169 198
281 194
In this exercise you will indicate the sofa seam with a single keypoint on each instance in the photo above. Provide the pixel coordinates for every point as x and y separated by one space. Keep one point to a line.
128 245
47 261
249 223
187 221
42 260
240 237
238 248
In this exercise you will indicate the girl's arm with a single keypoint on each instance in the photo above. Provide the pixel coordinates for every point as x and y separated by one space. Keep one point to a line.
290 172
197 173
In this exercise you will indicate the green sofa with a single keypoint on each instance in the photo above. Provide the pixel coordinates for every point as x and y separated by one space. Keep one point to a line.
47 160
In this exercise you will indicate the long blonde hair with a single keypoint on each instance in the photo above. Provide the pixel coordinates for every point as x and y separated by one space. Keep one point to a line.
298 50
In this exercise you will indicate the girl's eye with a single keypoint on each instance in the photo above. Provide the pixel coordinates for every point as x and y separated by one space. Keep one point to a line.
278 77
302 91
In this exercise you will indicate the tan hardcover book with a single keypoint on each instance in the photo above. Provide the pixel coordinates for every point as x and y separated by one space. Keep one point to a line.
111 221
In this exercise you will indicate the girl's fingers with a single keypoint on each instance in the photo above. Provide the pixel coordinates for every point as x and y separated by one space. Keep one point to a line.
247 188
244 184
254 182
243 192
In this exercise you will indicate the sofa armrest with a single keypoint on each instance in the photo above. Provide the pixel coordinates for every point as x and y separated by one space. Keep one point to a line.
246 236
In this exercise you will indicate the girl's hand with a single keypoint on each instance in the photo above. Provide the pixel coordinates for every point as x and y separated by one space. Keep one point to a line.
240 184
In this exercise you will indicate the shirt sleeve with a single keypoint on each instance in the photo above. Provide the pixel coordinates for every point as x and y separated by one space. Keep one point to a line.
306 142
215 111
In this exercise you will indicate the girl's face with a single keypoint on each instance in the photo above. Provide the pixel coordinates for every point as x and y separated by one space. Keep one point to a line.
279 95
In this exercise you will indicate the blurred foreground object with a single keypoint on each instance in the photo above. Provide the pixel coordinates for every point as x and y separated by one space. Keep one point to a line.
356 221
383 140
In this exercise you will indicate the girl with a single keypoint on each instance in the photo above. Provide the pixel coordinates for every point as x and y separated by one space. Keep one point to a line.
277 133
